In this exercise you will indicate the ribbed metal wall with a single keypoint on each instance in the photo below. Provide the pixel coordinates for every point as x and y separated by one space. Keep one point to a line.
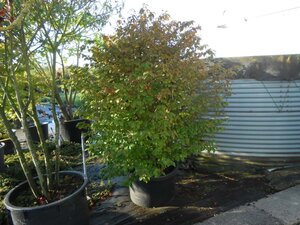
263 120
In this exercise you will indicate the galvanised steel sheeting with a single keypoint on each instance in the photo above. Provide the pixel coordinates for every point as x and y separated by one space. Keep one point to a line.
263 120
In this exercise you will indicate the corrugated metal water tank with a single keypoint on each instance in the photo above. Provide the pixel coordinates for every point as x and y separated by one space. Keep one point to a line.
263 120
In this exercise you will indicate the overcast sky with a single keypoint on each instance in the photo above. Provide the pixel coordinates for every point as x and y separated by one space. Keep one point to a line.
237 27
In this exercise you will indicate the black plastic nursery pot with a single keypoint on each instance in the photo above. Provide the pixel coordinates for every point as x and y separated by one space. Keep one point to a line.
34 134
9 147
71 210
156 193
70 132
2 145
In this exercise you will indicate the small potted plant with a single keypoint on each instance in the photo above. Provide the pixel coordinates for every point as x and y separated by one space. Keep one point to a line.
48 196
153 88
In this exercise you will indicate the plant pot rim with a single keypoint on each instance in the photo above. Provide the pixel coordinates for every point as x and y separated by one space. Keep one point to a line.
43 123
4 139
164 177
74 120
10 206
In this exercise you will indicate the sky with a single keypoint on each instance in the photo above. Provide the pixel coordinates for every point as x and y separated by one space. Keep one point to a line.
235 28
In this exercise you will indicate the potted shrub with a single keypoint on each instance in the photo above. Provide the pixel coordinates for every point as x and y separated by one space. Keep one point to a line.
48 196
153 87
43 205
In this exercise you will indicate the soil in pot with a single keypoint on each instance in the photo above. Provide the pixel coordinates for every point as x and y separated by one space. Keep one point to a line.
70 130
68 185
69 205
156 193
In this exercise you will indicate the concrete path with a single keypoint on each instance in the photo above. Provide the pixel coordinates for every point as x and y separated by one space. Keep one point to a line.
281 208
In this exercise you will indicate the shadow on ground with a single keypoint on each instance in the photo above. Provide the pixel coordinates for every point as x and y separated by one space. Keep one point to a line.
204 187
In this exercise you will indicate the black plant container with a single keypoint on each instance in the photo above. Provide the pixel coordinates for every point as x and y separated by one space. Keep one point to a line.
156 193
2 145
9 147
70 132
71 210
34 134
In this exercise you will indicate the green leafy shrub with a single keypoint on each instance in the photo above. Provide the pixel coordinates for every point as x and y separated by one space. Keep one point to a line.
32 44
3 133
151 93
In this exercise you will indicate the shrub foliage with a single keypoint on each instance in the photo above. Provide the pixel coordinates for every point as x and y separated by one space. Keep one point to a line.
153 87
